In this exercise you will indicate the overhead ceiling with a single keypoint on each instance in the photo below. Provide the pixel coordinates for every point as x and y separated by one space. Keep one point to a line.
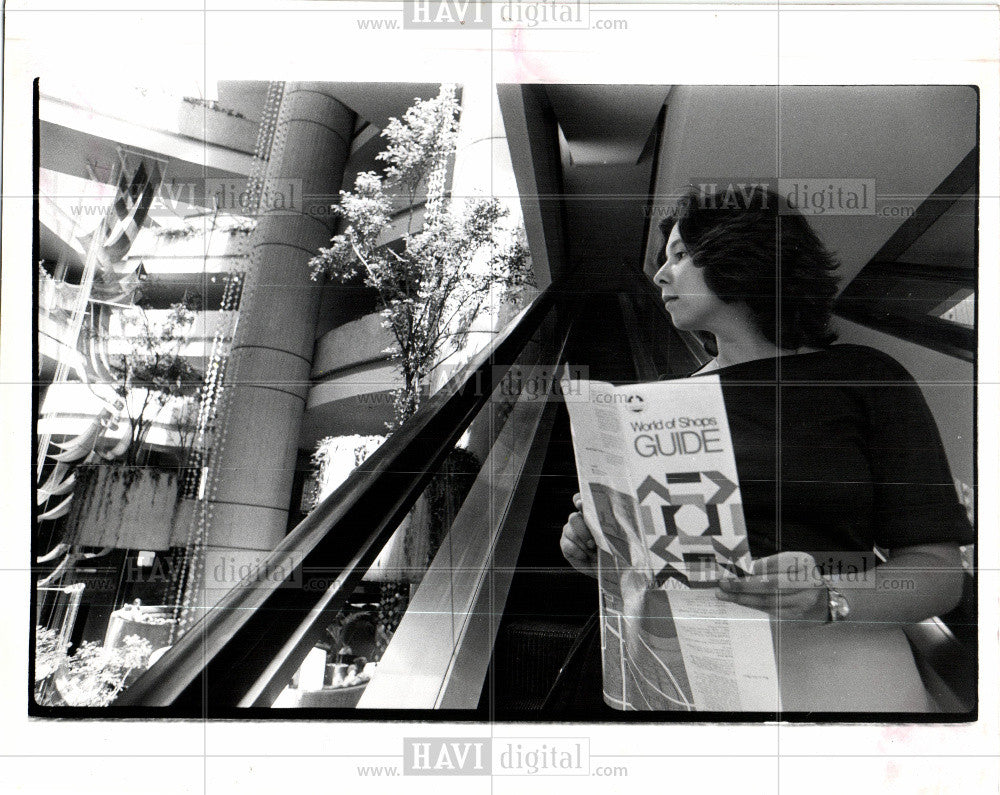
606 125
606 134
950 241
84 143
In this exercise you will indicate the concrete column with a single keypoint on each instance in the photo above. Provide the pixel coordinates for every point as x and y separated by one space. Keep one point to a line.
269 367
482 154
483 168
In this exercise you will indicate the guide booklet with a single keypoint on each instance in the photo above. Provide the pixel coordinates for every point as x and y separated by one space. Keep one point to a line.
662 495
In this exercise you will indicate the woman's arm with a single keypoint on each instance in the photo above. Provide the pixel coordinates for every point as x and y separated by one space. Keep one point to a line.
916 582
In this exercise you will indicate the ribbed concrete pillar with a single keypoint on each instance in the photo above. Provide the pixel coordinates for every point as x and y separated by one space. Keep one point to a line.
269 367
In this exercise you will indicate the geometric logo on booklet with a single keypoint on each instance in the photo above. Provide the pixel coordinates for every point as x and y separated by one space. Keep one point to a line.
701 537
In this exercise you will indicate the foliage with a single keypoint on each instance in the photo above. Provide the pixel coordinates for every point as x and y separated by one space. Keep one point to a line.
50 653
394 598
432 286
239 226
336 457
446 492
152 372
212 104
176 232
92 676
233 225
355 631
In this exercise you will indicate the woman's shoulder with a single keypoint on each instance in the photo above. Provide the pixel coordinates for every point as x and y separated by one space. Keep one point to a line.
860 363
846 363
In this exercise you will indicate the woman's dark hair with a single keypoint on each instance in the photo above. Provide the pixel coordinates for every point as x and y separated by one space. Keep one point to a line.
734 237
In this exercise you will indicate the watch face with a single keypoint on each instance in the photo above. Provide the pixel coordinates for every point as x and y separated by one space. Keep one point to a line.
838 606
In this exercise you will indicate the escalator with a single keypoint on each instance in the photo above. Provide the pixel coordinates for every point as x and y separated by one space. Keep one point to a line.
625 336
498 612
498 576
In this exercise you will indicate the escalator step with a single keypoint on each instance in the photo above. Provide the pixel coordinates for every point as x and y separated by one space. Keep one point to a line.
529 657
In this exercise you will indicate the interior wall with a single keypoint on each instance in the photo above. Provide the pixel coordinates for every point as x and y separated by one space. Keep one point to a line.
533 135
906 138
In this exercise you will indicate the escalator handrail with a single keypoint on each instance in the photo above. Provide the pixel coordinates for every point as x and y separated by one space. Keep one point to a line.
235 640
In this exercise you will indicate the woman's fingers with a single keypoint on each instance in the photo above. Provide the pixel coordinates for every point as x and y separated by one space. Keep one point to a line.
573 551
572 541
765 585
578 558
580 531
789 566
760 601
808 604
577 544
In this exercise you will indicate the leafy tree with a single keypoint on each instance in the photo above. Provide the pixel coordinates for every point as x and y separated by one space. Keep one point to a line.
432 286
152 372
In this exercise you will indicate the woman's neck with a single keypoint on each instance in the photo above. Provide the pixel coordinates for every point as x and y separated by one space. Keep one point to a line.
744 345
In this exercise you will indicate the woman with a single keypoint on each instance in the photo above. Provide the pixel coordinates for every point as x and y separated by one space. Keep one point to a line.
837 453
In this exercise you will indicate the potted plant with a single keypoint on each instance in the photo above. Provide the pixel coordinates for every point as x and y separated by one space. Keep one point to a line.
92 676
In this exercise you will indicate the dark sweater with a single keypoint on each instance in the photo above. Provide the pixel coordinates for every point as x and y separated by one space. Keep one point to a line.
860 456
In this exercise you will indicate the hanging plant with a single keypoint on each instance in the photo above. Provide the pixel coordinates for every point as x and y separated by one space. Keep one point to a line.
176 233
241 226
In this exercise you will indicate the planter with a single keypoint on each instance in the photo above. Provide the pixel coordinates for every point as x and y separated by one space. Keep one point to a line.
405 557
216 127
153 623
332 697
94 675
127 508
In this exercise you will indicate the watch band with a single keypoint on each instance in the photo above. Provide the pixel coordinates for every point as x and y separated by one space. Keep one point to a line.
838 606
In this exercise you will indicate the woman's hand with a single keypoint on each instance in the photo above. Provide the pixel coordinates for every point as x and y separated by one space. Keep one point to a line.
785 585
577 542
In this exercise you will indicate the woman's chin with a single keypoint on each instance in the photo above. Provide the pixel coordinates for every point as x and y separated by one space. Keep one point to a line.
679 323
686 323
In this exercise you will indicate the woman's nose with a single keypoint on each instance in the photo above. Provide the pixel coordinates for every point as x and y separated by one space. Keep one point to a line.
662 276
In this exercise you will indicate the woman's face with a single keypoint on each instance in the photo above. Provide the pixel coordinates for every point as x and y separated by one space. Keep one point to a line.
690 302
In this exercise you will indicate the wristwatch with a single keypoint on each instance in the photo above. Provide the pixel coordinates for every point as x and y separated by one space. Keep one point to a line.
839 609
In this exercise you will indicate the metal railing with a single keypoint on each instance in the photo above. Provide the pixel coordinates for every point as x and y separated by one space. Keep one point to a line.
243 652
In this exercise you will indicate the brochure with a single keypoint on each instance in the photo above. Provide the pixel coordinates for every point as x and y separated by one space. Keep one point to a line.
661 493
